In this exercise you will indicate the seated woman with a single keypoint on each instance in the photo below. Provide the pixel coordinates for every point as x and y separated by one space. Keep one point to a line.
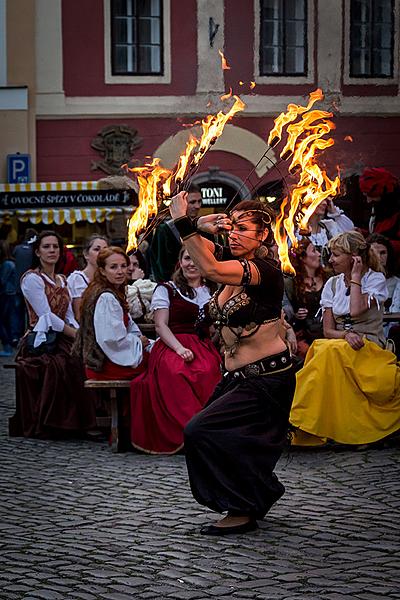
184 366
326 222
349 388
304 294
79 280
109 343
50 399
140 289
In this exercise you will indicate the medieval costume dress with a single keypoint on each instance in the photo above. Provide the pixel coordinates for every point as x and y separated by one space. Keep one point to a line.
234 443
50 397
109 341
349 396
165 398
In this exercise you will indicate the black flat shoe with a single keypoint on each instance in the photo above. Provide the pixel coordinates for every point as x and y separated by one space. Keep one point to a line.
214 530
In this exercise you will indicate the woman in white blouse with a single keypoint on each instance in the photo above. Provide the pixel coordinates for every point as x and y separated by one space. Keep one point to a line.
349 388
109 342
79 280
50 397
326 222
184 365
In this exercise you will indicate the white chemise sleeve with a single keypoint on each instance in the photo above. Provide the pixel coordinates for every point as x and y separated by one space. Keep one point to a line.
374 284
76 284
160 298
327 295
32 287
122 345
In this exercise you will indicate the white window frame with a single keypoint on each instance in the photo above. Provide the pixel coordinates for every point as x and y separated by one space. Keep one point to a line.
285 79
109 78
347 79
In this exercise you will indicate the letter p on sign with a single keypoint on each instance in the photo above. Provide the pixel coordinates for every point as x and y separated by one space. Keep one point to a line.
18 168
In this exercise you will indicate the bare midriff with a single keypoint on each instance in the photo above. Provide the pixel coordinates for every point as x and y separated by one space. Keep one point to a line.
266 342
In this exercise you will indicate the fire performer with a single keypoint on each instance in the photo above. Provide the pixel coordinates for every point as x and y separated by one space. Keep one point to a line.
234 443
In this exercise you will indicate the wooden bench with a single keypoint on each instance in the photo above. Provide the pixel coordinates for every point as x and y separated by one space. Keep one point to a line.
112 386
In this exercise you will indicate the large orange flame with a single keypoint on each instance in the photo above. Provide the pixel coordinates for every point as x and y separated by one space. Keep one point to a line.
156 183
304 138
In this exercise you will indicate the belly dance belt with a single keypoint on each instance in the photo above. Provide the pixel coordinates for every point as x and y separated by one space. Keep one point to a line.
277 363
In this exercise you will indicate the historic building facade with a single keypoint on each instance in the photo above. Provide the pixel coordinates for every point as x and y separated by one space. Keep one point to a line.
111 81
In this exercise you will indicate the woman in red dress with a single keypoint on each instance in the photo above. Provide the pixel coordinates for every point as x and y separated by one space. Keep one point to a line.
109 342
184 365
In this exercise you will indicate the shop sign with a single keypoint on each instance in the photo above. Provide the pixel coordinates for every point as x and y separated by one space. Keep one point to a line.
214 194
67 199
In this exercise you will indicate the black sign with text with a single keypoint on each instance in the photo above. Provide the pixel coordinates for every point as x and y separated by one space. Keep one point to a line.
216 194
68 199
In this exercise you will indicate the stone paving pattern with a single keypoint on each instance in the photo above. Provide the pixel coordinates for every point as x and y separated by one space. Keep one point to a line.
79 522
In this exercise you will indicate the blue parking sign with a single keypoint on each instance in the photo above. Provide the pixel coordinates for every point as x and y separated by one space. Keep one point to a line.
18 168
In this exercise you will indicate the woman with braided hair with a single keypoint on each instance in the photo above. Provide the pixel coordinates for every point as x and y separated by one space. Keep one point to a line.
234 443
349 388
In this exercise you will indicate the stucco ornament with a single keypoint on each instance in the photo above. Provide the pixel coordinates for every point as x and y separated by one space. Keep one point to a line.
117 144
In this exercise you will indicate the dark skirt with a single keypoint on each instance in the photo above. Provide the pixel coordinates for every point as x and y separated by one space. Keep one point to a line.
50 396
234 443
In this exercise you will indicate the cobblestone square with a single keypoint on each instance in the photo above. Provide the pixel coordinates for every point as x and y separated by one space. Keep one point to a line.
80 522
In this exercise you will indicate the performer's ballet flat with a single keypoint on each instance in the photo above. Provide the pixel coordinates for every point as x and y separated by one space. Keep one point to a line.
214 530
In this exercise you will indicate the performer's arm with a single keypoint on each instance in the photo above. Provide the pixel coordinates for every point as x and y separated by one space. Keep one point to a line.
227 272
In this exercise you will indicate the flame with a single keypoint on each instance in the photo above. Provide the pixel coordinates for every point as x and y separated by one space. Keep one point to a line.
224 63
252 85
305 131
157 183
227 96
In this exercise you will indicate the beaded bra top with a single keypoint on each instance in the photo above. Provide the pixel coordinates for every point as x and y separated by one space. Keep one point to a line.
252 306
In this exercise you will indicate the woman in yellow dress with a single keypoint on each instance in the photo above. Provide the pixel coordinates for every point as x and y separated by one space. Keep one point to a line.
349 388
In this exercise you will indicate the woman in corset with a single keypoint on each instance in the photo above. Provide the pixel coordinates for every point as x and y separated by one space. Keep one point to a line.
234 443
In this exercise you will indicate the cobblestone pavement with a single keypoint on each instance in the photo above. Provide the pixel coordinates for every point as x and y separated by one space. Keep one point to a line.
79 522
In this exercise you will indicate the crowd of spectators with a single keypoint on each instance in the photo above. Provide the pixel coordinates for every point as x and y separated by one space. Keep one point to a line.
89 325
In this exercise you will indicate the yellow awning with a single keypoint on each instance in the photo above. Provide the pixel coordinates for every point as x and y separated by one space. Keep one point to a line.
65 215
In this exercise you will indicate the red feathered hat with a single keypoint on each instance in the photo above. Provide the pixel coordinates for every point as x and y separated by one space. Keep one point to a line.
377 181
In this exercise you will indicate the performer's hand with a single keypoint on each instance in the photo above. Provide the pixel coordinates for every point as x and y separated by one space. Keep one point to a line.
178 206
354 340
185 353
214 224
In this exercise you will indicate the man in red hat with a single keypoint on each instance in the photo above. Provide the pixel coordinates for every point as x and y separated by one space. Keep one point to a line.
382 191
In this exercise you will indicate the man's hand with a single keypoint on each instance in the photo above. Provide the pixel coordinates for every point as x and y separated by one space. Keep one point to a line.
301 314
178 206
145 341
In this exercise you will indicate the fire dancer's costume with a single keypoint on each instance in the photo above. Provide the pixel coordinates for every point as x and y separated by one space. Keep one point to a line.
234 443
350 396
171 391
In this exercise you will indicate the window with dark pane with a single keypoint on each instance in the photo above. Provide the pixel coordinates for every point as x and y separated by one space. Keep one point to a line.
136 33
371 38
283 37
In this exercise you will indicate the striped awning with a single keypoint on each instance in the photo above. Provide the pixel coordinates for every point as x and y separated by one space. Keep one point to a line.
64 215
59 216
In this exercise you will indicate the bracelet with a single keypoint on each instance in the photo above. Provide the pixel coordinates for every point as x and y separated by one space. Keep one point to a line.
355 282
185 227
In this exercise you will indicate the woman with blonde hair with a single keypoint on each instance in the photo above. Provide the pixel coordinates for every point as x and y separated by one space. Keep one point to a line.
349 388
